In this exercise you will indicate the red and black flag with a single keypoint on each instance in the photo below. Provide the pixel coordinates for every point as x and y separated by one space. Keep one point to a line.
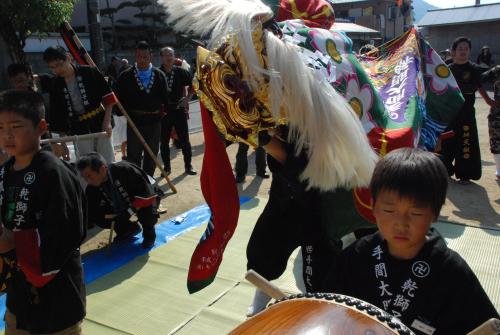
219 189
78 53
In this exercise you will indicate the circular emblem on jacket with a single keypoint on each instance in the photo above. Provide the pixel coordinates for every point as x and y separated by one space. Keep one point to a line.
29 178
420 269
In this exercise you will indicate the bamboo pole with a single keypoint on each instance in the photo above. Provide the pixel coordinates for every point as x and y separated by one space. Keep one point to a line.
123 111
74 138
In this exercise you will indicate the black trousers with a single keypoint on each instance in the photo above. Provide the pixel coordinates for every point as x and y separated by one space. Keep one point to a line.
147 218
461 153
177 119
135 151
287 222
241 167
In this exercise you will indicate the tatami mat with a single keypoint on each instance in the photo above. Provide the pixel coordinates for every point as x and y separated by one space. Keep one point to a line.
149 295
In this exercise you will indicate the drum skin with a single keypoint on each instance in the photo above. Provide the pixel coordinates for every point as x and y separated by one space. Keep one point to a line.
319 314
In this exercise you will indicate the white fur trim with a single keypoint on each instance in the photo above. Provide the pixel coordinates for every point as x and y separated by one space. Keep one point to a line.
319 117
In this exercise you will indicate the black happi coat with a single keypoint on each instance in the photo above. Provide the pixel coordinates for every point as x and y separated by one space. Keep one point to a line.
292 218
436 289
93 89
129 181
464 146
177 80
45 206
138 99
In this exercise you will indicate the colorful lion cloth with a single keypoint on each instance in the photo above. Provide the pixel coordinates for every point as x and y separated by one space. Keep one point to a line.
256 75
404 98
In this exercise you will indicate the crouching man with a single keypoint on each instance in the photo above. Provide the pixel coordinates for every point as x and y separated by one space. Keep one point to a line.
117 191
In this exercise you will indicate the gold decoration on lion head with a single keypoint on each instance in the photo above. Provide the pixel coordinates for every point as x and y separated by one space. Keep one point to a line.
238 101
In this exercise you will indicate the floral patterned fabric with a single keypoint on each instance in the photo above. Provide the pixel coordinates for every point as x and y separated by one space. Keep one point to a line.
399 102
389 92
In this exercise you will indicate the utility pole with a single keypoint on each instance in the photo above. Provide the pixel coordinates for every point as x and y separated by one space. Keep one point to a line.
95 31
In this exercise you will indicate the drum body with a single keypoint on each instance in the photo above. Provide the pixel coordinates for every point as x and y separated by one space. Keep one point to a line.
318 314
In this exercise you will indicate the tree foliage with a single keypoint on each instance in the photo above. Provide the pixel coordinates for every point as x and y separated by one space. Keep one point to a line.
20 19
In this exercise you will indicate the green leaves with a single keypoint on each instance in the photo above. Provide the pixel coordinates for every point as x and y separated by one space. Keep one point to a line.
21 18
35 16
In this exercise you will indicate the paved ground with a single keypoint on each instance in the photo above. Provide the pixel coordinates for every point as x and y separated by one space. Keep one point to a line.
477 204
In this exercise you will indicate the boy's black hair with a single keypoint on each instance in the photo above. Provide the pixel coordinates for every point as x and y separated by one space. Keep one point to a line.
412 173
93 160
142 45
26 103
55 52
15 68
459 40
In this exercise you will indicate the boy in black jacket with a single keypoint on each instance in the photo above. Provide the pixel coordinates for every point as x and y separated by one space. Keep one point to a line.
43 214
406 267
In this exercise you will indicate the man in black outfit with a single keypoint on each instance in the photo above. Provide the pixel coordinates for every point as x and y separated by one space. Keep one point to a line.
241 166
177 108
116 192
292 218
142 90
461 153
81 101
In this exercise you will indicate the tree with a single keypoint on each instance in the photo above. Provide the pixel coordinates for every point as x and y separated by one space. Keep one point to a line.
20 19
110 12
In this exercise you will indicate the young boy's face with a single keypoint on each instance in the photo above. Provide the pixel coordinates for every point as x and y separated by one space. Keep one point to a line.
402 223
461 53
19 136
94 178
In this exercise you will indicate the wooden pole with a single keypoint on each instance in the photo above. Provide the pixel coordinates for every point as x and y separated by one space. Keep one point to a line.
74 138
490 327
124 112
264 285
111 217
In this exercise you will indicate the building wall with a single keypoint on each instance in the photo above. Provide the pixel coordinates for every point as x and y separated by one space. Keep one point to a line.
441 37
375 14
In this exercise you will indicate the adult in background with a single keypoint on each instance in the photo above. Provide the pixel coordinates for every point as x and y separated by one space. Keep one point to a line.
124 65
446 56
142 89
113 70
180 93
484 59
241 167
461 153
77 95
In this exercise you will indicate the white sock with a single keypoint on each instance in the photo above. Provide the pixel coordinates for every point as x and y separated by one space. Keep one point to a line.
497 161
260 301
